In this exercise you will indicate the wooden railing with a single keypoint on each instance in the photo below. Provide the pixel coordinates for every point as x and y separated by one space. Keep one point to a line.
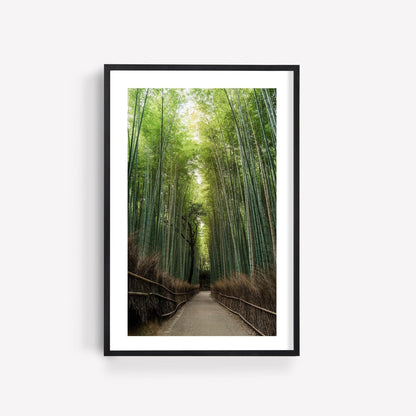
261 320
147 298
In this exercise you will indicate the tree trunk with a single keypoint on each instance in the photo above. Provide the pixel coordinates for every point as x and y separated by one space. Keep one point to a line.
191 271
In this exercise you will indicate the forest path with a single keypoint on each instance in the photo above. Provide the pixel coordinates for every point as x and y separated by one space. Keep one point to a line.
203 316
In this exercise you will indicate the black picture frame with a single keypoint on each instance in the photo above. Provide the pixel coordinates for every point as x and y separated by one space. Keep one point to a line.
108 68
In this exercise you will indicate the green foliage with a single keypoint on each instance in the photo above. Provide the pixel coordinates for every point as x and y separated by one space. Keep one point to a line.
238 133
202 179
161 177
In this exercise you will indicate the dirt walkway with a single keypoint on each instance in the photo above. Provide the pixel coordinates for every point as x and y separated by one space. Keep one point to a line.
203 316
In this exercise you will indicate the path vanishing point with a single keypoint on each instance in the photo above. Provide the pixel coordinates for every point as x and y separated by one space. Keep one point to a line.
203 316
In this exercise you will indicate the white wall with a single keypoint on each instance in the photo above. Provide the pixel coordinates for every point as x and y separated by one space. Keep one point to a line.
358 206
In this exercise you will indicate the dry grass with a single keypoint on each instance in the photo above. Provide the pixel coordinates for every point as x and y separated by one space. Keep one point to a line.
259 290
145 309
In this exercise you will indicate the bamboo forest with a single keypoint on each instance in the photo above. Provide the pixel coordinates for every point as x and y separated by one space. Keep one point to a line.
202 209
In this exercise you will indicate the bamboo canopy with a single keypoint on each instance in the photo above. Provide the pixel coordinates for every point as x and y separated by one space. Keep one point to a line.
202 179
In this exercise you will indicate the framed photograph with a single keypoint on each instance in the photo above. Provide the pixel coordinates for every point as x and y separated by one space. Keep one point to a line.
201 245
